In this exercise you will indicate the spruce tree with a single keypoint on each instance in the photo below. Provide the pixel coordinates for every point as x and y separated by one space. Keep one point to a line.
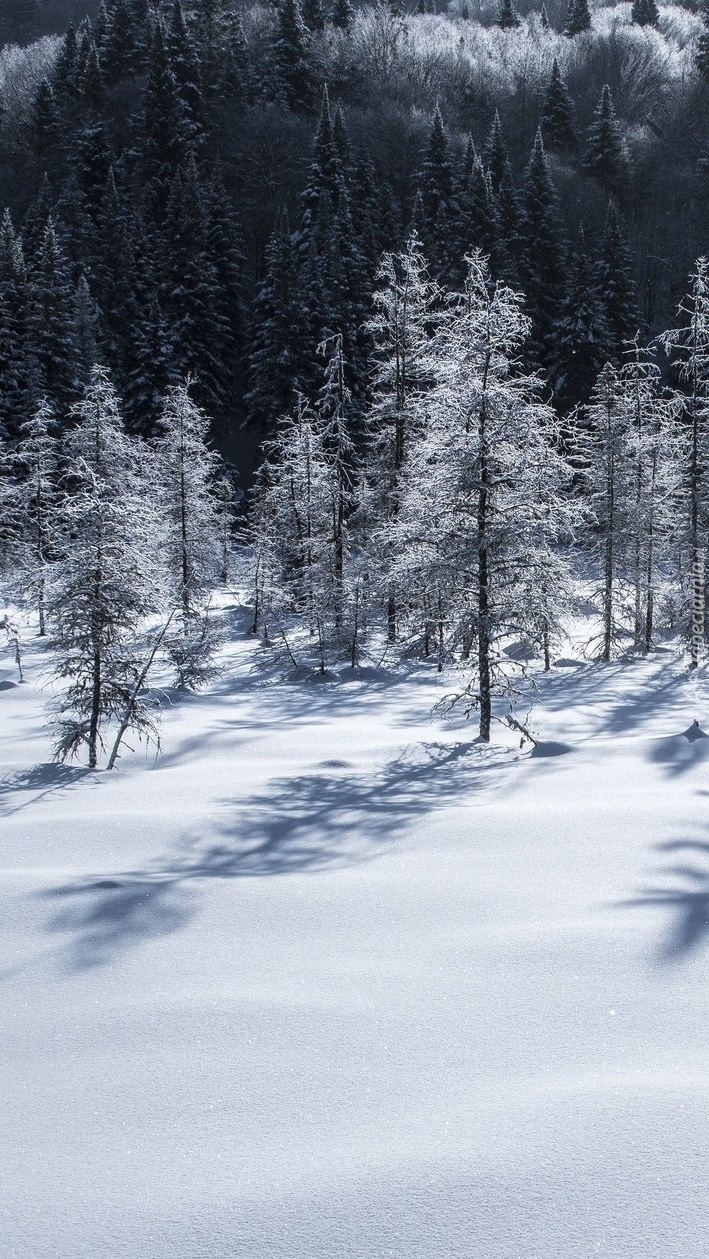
313 16
542 262
507 16
14 364
185 67
45 122
606 155
557 117
293 80
51 333
578 18
645 13
616 285
342 15
581 340
436 178
494 154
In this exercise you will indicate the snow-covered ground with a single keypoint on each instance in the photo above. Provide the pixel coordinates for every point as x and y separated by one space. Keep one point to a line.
330 980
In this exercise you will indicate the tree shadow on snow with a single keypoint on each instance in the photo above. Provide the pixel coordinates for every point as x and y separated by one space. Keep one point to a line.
683 889
42 780
308 823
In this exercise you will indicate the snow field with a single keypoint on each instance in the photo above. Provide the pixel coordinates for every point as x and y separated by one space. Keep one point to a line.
330 980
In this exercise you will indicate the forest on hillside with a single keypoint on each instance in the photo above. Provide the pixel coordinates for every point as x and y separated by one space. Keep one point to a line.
431 282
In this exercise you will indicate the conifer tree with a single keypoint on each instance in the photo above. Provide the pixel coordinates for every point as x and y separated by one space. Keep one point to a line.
616 285
165 132
542 262
606 155
578 18
494 154
436 178
51 334
121 53
645 13
342 14
14 364
64 77
557 118
185 67
507 17
313 16
45 123
293 77
582 341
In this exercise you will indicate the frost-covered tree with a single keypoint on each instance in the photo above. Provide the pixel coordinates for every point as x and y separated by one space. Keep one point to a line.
484 501
105 579
295 544
406 310
185 469
604 453
690 344
36 469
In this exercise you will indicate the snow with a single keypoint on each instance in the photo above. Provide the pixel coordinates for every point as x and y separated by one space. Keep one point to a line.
330 979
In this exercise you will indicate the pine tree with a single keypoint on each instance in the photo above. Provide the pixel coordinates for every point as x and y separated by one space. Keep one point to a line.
185 67
64 78
616 285
292 528
313 16
645 13
578 18
436 178
91 81
14 365
45 123
507 17
606 155
342 14
582 341
51 335
105 579
165 131
557 118
542 262
494 154
122 46
293 76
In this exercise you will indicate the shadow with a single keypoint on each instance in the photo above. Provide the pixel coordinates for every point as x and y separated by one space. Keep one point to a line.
306 824
678 753
688 900
42 779
543 750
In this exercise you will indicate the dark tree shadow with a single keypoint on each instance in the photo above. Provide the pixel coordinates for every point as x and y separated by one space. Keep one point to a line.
309 823
42 780
684 891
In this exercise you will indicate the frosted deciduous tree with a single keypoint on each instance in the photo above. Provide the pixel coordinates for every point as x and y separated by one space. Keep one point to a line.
186 469
407 306
690 344
485 486
36 460
105 580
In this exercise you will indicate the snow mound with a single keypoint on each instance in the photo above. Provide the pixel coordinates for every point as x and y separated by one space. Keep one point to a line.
550 748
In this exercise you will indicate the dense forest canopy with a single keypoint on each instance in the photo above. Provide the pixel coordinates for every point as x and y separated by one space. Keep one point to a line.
220 185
